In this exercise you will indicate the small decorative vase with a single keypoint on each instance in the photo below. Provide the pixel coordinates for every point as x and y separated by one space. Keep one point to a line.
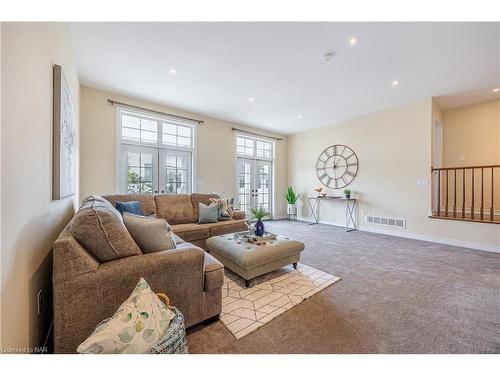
259 228
348 196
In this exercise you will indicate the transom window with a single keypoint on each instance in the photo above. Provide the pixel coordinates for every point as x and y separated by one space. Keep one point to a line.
252 147
156 154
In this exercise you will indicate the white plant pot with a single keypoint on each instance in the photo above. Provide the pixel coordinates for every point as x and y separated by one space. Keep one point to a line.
291 209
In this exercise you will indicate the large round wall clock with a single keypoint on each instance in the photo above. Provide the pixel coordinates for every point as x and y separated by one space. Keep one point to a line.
337 166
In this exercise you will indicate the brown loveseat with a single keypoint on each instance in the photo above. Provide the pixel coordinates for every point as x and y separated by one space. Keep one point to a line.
87 291
181 212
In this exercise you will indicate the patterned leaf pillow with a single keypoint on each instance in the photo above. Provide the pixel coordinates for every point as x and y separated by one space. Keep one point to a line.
137 325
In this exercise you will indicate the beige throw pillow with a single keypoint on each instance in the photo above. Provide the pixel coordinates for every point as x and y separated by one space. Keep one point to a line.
99 227
151 234
137 325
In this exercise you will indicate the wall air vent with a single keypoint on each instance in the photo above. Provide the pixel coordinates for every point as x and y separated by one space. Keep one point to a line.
391 222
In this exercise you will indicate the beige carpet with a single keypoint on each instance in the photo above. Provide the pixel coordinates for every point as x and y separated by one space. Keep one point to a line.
246 309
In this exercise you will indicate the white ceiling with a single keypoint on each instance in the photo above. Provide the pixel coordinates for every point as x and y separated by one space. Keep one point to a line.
220 65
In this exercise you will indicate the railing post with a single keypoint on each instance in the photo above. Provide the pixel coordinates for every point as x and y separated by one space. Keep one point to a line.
446 212
482 194
455 194
492 194
463 193
472 204
439 194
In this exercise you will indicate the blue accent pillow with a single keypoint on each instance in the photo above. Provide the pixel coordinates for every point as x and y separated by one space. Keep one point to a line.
133 207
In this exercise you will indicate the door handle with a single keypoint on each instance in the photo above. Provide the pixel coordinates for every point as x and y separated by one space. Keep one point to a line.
162 191
156 191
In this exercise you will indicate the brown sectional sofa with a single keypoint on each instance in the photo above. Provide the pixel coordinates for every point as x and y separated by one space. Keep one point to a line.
87 291
181 212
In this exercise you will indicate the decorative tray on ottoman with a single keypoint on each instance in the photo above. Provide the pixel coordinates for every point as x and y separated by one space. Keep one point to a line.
250 235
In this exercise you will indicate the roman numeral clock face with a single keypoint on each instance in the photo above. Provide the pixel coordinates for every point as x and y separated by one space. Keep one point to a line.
337 166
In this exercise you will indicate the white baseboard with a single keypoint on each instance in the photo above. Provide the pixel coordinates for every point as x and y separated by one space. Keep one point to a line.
422 237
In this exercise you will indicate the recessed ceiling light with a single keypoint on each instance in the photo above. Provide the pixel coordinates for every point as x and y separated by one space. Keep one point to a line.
353 41
496 90
251 99
395 82
299 116
173 72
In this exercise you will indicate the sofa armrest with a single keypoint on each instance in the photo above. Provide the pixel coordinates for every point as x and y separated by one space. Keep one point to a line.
239 215
83 302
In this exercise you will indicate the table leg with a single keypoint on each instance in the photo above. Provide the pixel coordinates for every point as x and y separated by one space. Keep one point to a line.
350 215
314 210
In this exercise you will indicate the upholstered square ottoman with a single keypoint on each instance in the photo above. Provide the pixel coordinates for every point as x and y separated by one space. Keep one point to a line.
250 260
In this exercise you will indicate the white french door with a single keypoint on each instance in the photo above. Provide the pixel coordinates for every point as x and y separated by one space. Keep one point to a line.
254 184
175 172
149 170
138 170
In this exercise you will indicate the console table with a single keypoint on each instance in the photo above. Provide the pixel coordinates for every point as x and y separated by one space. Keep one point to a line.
350 210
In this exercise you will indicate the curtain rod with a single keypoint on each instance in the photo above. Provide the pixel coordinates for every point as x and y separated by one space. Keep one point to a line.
260 135
114 102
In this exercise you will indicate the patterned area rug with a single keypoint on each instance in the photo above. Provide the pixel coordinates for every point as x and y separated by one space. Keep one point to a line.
246 309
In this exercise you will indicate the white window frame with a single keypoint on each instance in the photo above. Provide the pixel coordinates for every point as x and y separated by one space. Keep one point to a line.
272 159
158 145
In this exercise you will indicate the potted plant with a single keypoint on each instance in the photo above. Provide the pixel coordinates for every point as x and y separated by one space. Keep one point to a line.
347 193
291 198
259 214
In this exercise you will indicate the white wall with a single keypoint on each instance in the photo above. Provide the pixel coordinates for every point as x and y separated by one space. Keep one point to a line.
215 149
31 221
394 150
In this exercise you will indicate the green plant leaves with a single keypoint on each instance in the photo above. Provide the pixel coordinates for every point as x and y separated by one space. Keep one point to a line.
259 213
290 196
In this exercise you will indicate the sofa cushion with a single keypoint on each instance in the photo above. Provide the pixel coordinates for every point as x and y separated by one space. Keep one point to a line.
147 201
208 213
150 233
99 227
133 207
239 215
191 231
213 272
224 227
196 198
176 209
137 325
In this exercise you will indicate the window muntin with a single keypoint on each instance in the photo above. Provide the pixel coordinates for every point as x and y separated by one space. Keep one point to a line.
177 135
157 154
176 174
254 147
139 173
138 128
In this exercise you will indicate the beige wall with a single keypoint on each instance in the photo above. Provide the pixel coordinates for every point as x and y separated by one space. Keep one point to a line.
473 132
31 221
394 151
215 149
0 183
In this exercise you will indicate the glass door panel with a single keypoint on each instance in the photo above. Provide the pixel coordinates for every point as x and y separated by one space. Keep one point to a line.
175 172
138 166
245 171
254 184
263 184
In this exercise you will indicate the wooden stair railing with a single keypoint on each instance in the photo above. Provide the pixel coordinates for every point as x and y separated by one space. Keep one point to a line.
485 214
